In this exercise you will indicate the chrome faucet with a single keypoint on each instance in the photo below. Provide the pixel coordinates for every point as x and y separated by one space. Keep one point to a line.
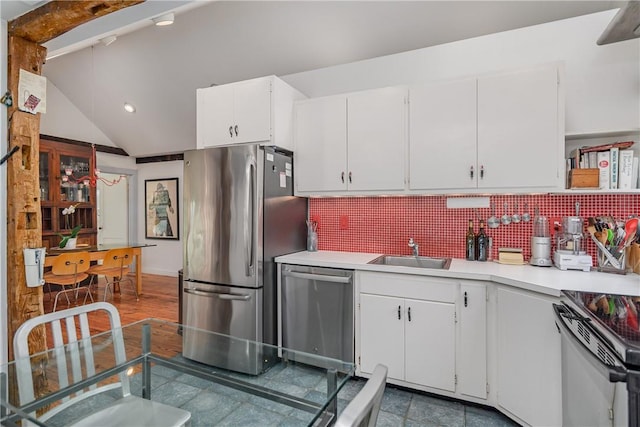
414 246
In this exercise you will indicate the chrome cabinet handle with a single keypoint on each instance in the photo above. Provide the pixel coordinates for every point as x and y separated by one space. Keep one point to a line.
481 171
399 312
236 129
465 299
231 131
350 181
471 172
409 314
342 177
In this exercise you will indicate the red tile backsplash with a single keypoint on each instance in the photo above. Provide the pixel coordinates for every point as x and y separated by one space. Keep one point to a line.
384 224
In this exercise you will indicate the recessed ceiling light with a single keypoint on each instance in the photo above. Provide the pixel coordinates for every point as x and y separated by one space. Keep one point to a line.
162 20
129 108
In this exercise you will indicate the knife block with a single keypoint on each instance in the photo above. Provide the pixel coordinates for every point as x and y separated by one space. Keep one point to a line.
633 258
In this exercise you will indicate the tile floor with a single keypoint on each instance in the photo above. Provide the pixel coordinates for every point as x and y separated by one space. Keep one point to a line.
213 404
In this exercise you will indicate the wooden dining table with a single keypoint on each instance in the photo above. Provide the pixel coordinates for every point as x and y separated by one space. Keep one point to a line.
98 253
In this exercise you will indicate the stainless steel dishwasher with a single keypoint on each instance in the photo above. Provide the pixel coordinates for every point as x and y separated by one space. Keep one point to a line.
317 312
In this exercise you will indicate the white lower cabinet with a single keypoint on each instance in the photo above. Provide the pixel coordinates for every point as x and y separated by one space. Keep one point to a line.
430 346
411 324
529 366
382 334
472 354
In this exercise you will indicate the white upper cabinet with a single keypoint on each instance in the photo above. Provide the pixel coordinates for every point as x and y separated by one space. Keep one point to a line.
442 135
351 144
494 132
320 134
519 137
257 110
376 135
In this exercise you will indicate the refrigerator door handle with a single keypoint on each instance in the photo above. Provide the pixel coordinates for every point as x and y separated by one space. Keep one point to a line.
323 277
249 235
220 295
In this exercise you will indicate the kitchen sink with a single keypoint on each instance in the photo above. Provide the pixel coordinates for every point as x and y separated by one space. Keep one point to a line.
413 261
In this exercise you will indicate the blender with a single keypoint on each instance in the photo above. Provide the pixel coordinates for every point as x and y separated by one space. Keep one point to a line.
570 253
540 242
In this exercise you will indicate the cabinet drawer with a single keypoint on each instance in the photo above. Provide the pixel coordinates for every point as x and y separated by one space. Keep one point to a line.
408 286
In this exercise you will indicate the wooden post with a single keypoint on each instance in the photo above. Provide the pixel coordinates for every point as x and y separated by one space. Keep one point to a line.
24 229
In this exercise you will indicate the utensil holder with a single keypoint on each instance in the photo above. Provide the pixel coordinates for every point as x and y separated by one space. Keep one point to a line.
608 262
312 241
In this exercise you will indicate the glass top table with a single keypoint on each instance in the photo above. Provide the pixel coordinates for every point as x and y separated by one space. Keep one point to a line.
295 388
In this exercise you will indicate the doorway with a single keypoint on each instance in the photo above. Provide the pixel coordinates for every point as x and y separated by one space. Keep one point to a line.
113 209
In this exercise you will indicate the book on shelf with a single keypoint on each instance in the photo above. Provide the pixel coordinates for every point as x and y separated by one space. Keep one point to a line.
625 174
605 170
593 159
614 155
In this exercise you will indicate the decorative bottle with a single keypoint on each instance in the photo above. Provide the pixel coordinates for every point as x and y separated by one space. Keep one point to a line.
482 243
471 243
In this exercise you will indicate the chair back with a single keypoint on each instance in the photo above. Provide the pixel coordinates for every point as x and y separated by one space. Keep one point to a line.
71 263
118 258
364 408
78 355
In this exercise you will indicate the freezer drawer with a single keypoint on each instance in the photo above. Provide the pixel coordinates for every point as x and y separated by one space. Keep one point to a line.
317 311
236 312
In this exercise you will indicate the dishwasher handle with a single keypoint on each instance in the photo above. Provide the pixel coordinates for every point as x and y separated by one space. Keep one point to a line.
220 295
322 277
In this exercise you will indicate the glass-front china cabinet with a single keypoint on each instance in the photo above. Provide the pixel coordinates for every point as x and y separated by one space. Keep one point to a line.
64 181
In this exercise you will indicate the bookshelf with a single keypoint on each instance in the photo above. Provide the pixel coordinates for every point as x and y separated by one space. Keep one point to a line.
576 140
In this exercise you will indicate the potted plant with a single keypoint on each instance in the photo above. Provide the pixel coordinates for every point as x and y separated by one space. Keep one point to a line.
69 241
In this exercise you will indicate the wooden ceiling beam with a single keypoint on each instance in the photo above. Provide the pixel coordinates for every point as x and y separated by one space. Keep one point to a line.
59 16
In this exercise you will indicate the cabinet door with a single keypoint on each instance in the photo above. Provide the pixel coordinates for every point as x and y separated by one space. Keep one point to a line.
214 116
529 359
430 344
442 136
377 127
320 138
472 357
252 110
382 334
518 136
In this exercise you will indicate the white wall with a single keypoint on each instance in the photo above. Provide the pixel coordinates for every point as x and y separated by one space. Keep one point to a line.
166 257
114 161
61 113
602 82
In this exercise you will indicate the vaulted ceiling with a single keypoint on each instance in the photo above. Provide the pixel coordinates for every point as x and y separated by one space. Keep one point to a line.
159 68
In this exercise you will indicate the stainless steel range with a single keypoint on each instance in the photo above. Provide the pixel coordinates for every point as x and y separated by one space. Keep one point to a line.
601 359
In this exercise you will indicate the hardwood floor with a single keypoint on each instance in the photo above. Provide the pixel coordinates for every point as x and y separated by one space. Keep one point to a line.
160 300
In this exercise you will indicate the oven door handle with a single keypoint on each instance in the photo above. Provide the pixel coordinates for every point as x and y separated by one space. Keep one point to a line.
613 373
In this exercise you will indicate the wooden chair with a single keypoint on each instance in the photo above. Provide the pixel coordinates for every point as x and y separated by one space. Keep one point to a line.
364 408
114 268
74 362
67 271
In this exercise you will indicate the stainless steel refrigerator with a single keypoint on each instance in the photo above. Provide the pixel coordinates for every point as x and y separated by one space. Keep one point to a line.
240 213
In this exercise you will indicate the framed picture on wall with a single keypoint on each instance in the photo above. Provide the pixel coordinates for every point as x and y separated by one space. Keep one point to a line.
161 208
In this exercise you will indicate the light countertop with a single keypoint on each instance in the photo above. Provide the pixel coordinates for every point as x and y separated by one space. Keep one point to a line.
545 280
